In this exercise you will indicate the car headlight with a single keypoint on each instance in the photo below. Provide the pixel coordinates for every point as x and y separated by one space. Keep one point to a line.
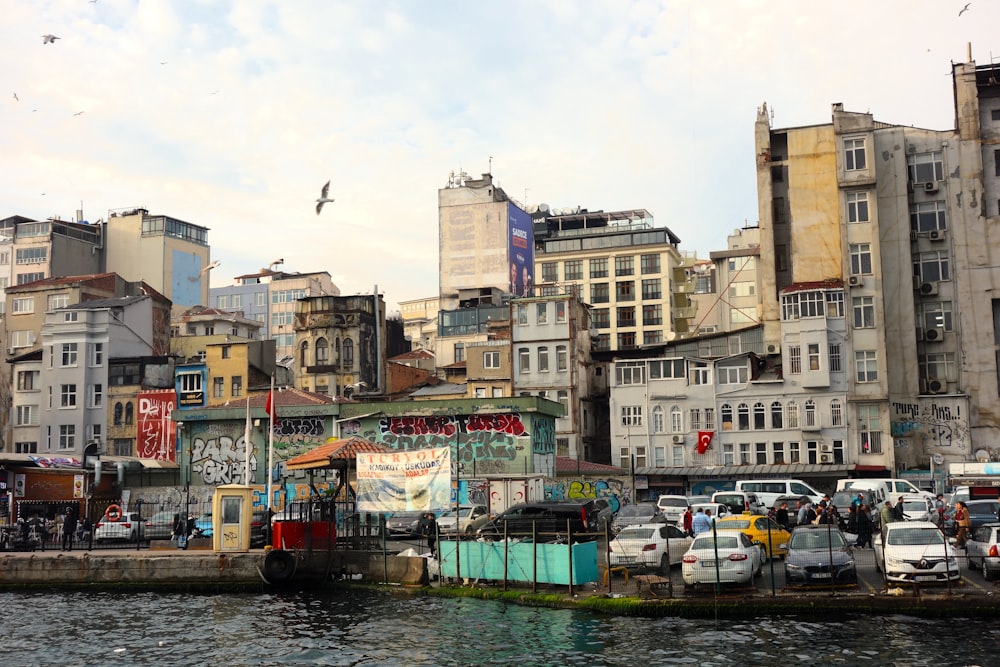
793 567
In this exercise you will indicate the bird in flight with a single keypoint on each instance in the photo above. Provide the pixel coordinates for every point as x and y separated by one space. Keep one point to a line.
965 9
16 98
323 199
209 267
79 113
49 39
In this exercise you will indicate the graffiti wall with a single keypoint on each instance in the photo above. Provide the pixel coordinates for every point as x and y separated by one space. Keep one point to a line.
155 433
617 490
930 426
490 444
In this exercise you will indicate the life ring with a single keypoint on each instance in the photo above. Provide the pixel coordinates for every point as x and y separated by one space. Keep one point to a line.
279 566
113 513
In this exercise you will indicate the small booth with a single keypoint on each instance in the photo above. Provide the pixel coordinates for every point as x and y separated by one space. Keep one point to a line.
232 515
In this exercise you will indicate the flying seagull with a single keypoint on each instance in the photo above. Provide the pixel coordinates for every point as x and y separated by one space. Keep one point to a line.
323 199
209 267
78 113
965 9
49 39
16 98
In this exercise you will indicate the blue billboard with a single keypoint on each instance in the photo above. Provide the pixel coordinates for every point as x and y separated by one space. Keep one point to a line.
520 251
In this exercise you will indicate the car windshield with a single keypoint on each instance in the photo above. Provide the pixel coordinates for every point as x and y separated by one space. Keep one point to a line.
906 537
817 539
637 510
450 514
673 502
636 534
914 506
988 507
733 524
844 499
409 514
723 541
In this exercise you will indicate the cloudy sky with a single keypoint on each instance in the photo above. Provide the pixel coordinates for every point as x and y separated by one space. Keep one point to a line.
232 115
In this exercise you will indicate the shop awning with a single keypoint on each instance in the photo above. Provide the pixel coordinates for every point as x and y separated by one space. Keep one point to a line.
791 470
335 454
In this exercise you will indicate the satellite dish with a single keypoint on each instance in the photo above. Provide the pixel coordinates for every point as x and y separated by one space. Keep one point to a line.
556 211
938 459
982 456
543 208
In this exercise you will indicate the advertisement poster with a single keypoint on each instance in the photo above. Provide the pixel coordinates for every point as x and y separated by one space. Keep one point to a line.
404 480
78 486
19 486
521 251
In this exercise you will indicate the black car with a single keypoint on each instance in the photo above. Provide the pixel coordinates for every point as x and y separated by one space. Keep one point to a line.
547 521
808 561
982 512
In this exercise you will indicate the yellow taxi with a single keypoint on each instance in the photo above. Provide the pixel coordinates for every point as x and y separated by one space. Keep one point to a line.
756 528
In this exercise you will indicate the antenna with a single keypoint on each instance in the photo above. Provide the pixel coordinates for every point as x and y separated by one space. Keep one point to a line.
491 164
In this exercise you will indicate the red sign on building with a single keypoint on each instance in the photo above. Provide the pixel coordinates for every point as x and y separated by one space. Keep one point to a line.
155 433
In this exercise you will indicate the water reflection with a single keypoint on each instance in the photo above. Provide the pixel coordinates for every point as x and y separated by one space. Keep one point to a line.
365 628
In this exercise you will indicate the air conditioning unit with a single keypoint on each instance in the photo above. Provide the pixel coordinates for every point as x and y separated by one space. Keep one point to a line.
677 439
934 335
773 348
936 387
855 281
928 289
936 235
11 350
826 448
826 458
931 186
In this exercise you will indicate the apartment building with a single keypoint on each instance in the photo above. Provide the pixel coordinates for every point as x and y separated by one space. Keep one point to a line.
726 286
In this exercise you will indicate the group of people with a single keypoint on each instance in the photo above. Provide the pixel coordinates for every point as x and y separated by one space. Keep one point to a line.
696 523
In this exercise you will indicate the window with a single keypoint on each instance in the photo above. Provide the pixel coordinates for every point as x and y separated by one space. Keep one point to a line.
835 304
869 429
932 266
928 216
836 413
222 301
237 301
236 383
22 305
218 387
479 392
658 421
709 419
96 396
625 290
733 375
67 396
631 415
652 337
226 352
522 314
792 415
624 265
854 154
560 311
599 293
759 415
676 420
779 452
835 363
864 312
550 272
542 313
119 413
813 352
67 436
865 366
32 255
677 456
925 167
699 373
130 409
652 314
25 447
68 357
649 263
96 354
573 269
728 457
599 268
857 207
760 453
777 411
190 382
304 354
794 359
26 415
260 299
459 351
744 453
794 454
861 258
630 372
322 352
25 278
790 307
626 340
937 366
694 418
543 359
562 358
347 354
524 359
811 413
491 360
28 380
600 318
626 316
935 315
651 289
743 417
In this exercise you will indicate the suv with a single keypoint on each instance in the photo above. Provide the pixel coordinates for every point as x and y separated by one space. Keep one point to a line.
739 502
549 519
672 507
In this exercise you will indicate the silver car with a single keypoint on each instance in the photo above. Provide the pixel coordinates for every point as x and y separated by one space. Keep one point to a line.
983 546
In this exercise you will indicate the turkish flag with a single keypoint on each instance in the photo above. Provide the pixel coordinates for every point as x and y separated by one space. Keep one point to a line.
705 441
272 412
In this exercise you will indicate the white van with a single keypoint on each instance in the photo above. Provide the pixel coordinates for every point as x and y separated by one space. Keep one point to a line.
893 487
769 490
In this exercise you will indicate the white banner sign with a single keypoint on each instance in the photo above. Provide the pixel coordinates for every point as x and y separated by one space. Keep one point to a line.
405 480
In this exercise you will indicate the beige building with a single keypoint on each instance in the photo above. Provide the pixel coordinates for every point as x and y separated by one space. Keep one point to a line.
726 287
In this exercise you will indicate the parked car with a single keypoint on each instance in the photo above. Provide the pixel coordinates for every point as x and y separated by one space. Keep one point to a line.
982 512
983 545
760 529
404 524
605 514
204 525
718 510
672 507
160 526
769 490
918 508
637 513
130 527
698 500
915 551
648 546
467 520
739 559
874 498
819 555
546 520
739 502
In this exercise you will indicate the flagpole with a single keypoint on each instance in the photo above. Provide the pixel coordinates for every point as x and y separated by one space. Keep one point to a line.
270 448
247 446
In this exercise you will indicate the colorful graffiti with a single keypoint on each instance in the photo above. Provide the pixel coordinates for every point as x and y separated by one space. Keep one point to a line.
221 460
617 491
155 434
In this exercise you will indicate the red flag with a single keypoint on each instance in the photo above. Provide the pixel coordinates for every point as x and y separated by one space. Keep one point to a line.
272 413
705 441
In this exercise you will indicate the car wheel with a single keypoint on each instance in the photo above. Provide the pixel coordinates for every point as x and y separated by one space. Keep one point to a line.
987 574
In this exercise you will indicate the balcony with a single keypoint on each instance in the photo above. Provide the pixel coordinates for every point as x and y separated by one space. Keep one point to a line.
685 313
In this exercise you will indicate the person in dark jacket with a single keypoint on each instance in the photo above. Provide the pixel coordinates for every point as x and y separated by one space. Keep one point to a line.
430 531
69 529
781 516
864 524
897 511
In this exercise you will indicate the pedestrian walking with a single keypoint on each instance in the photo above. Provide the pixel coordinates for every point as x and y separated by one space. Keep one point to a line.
781 516
69 528
430 530
865 528
897 511
886 514
702 522
964 522
688 522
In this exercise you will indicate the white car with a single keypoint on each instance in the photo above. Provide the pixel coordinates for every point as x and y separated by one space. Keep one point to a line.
129 527
983 544
917 551
918 508
726 558
469 519
648 546
672 507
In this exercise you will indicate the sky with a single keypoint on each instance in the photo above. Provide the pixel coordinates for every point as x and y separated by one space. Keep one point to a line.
233 114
